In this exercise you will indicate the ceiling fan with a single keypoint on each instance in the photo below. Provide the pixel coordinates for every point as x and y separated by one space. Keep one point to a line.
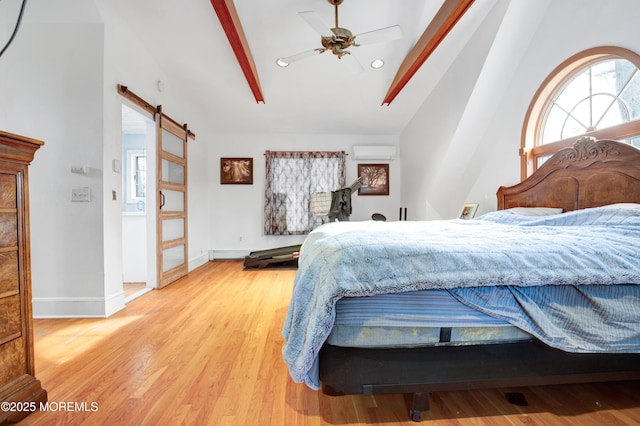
337 40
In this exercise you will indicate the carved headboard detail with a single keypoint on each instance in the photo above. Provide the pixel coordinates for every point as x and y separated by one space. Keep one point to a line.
587 149
589 174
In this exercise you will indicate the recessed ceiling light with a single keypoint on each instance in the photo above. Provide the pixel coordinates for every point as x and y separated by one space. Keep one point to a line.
377 64
282 63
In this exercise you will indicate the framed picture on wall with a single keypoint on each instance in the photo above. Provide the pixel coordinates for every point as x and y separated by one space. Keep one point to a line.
374 178
468 211
236 171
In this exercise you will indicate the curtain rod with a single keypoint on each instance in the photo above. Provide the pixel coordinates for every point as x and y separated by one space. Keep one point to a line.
303 152
128 94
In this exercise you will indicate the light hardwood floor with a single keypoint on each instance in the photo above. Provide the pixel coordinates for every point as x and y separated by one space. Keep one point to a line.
207 350
132 288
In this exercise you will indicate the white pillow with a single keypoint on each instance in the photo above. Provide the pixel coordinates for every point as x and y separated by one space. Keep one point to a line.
535 211
625 205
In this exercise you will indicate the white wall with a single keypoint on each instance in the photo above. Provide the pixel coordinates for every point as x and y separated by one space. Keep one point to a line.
58 84
50 91
468 132
446 131
134 255
236 211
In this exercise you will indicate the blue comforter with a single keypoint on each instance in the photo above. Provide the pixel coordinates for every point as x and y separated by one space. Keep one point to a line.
506 265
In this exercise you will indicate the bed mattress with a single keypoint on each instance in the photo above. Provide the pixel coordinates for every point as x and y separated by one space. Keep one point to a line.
416 318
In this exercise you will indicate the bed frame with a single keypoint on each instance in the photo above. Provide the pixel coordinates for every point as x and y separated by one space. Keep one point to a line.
590 174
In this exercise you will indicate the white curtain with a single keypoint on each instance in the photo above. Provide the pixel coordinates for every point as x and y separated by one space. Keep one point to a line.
292 177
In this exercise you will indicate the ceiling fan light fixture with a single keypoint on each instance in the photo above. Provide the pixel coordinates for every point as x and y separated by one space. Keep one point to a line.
340 38
281 62
376 64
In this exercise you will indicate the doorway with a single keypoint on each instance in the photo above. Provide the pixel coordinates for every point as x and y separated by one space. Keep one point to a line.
138 221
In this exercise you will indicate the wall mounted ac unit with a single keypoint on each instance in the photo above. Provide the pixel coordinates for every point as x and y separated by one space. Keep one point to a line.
374 152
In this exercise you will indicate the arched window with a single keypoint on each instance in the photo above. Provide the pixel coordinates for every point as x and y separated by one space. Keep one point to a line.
594 93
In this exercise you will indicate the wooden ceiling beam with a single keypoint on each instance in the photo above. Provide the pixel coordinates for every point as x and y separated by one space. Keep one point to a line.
228 16
445 19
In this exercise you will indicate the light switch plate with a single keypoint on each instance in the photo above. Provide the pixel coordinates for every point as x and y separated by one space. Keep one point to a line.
81 194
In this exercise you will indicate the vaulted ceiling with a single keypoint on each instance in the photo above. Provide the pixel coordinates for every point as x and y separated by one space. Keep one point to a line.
227 50
443 21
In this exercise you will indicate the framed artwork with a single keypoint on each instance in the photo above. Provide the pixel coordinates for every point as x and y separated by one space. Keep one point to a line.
374 179
236 171
468 211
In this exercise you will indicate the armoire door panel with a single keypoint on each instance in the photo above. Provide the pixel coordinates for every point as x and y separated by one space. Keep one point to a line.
11 327
9 280
14 360
8 230
7 191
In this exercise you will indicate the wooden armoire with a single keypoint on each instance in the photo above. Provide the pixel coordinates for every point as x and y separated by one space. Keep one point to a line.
18 385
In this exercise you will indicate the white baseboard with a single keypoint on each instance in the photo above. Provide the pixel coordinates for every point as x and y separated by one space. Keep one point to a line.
114 303
198 261
228 254
137 294
101 307
90 307
72 307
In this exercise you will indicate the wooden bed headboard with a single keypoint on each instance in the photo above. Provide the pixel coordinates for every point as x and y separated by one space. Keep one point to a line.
590 174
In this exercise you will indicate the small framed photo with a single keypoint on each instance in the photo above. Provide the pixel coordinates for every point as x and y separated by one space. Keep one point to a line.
468 211
236 171
374 179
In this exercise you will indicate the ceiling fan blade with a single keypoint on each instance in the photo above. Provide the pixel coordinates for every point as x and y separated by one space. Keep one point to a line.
315 22
283 62
377 36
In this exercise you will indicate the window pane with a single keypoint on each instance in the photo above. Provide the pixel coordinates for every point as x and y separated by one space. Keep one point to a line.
635 141
172 229
603 105
140 176
173 201
576 91
172 172
172 257
572 128
630 96
172 144
552 130
604 78
580 118
541 160
616 114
